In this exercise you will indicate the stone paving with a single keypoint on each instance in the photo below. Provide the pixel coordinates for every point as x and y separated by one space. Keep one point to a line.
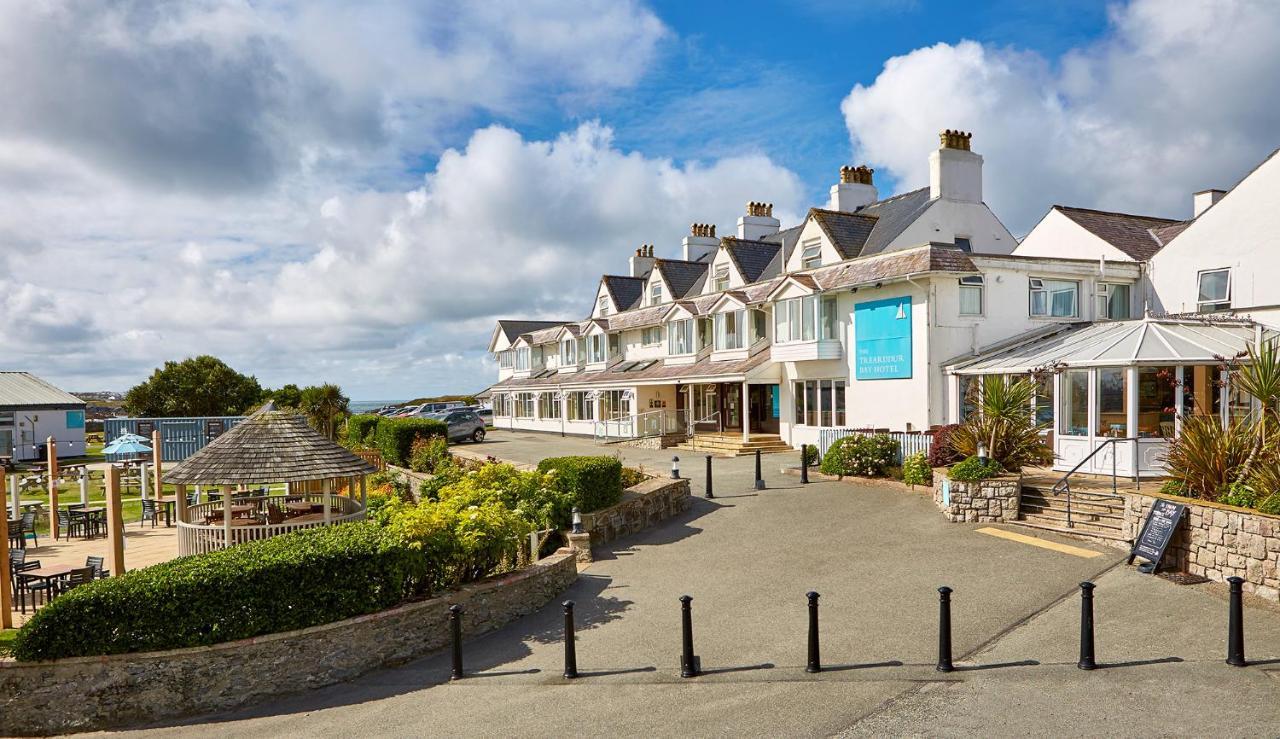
877 554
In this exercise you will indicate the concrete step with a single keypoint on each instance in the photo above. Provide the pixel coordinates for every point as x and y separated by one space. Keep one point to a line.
1059 518
1077 531
1108 519
1077 506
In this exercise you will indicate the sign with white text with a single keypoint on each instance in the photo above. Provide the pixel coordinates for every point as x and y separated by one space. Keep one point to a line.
882 339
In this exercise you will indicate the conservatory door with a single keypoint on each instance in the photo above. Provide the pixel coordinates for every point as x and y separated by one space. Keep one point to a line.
1074 439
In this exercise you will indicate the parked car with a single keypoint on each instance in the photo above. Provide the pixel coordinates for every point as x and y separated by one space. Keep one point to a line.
423 410
463 424
486 414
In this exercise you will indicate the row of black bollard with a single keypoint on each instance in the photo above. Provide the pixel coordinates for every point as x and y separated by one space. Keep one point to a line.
691 665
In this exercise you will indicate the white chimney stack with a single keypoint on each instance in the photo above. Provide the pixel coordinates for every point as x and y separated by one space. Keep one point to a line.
1205 198
758 222
642 261
701 242
854 190
955 172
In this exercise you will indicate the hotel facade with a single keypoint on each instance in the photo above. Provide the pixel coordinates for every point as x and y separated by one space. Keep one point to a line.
879 314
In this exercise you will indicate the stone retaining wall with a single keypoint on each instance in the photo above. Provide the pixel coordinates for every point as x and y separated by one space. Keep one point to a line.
1217 541
642 506
87 693
995 500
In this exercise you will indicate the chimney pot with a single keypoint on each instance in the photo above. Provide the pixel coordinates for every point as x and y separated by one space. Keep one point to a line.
955 139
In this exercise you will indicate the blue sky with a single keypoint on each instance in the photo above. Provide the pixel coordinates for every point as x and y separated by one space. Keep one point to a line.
331 191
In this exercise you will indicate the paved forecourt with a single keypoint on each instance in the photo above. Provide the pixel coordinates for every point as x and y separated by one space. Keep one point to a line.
876 554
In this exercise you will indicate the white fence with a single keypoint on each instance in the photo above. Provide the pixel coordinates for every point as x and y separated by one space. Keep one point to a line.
198 536
909 442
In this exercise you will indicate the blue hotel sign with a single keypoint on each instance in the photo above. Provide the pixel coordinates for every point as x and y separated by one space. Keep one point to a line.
882 339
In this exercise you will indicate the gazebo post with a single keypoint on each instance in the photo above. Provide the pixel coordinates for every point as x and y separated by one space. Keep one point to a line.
226 515
1131 415
179 502
84 486
327 486
363 501
6 608
143 483
115 522
52 458
15 503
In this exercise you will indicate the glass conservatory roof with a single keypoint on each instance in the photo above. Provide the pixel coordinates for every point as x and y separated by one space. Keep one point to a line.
1147 341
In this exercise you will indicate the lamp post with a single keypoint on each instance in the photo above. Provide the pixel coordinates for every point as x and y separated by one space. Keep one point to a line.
675 468
577 520
982 453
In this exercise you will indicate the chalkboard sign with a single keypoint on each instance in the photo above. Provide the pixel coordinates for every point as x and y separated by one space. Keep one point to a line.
1162 521
213 428
145 428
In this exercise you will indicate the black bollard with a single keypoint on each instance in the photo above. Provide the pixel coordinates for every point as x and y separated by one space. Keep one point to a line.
944 630
688 661
1235 624
455 626
1086 627
815 662
709 493
570 651
804 465
759 477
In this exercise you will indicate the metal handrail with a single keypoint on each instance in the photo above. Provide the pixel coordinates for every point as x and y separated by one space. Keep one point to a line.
1065 483
693 427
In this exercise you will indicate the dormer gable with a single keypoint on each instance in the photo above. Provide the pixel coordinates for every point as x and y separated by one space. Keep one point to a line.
793 286
723 274
680 310
730 301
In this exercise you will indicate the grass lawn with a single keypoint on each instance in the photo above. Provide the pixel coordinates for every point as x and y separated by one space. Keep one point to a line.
6 641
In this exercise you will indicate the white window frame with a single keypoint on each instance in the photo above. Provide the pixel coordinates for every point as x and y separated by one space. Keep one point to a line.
811 255
682 328
721 321
826 393
655 293
548 405
1102 304
804 319
597 349
523 356
568 352
973 283
506 360
651 336
525 405
1041 288
1213 306
603 305
720 278
580 407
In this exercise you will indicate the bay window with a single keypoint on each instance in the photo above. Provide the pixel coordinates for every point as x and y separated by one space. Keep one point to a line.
1054 298
680 337
501 405
820 403
730 330
827 318
805 319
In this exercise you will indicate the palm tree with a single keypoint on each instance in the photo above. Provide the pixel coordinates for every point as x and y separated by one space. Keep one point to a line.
1260 377
325 406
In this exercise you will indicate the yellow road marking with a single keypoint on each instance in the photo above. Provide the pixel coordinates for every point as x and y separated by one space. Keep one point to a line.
1042 543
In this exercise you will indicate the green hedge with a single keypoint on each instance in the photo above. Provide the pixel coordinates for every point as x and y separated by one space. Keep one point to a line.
868 456
361 428
974 469
395 437
591 483
287 582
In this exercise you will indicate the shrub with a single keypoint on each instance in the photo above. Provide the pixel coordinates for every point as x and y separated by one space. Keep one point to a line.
1173 487
916 470
1207 456
446 474
868 456
361 430
395 436
974 469
1002 422
1270 504
287 582
632 476
459 540
530 495
590 483
1239 494
428 454
810 455
941 453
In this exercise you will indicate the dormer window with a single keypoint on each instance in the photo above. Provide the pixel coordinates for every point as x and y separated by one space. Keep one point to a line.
603 304
720 282
811 256
522 359
655 293
731 330
1214 293
596 351
680 337
568 353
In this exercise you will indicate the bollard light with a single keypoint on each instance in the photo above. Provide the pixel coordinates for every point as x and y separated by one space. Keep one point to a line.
982 453
675 468
577 520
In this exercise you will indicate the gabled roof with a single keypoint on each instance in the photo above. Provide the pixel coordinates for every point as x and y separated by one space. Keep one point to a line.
848 232
893 215
1167 233
25 390
543 335
513 329
1129 233
625 291
893 265
751 258
682 278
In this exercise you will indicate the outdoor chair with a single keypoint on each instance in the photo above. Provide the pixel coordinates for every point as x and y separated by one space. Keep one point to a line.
17 560
69 524
150 511
76 578
30 588
95 564
274 515
29 527
16 540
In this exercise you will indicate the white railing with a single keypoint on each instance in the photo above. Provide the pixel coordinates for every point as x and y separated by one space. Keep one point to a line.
203 532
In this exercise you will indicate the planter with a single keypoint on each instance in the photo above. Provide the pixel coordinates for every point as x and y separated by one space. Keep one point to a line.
994 500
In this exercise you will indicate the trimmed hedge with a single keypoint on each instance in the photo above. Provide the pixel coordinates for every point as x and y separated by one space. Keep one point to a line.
591 483
395 437
293 581
361 428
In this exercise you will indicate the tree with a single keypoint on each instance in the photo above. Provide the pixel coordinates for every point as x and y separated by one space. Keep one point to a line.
288 396
197 386
325 407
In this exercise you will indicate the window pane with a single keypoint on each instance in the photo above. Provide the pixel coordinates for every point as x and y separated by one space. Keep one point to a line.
839 403
1156 402
1213 286
1118 303
827 399
793 307
808 306
829 318
1074 403
780 323
1039 303
970 301
1112 386
1044 401
1063 297
811 403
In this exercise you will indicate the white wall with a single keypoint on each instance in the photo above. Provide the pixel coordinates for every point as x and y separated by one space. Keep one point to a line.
48 423
947 219
1056 235
1242 232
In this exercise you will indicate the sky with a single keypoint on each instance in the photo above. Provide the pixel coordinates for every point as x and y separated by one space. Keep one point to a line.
354 192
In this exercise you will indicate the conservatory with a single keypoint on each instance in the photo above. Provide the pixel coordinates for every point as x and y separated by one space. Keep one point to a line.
1110 395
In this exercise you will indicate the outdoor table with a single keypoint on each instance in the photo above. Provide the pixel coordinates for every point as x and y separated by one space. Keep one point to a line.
298 506
308 518
238 510
49 574
91 516
168 501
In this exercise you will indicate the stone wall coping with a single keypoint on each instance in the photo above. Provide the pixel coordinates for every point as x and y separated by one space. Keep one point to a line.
472 589
1006 477
1206 503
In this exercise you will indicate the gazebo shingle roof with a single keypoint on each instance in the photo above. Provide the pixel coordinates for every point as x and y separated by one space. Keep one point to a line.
268 446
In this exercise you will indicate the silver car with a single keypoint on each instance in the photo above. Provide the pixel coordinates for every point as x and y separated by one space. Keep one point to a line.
463 424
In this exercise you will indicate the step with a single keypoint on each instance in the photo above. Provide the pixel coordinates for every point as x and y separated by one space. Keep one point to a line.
1085 533
1058 505
1111 519
1079 519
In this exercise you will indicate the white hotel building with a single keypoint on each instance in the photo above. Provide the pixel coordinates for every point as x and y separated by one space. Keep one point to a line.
877 313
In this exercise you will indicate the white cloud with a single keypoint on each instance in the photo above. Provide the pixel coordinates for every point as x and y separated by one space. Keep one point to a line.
1171 101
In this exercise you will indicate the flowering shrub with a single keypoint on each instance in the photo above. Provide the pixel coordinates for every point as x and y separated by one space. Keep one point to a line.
428 453
941 454
974 469
916 470
461 540
868 456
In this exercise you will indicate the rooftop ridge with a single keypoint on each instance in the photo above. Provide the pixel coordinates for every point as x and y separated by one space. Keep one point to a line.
1167 221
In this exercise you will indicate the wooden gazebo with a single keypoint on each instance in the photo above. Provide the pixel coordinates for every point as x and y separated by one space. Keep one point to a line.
269 447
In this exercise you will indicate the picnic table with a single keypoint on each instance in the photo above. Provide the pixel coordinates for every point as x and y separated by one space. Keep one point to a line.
238 510
299 506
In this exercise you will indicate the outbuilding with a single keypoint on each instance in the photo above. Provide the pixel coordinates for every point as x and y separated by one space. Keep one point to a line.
31 411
